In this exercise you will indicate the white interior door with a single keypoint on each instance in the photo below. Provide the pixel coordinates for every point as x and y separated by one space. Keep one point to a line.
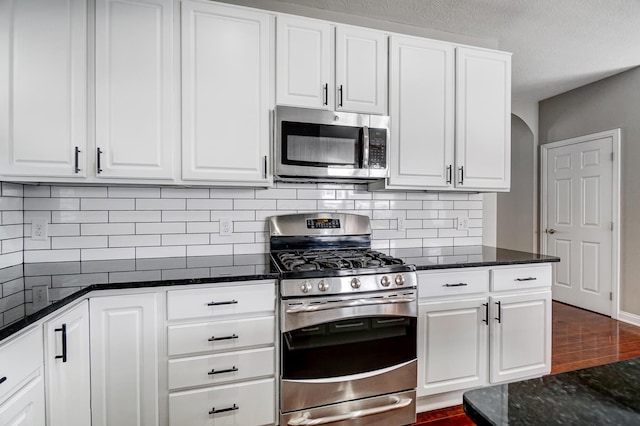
579 220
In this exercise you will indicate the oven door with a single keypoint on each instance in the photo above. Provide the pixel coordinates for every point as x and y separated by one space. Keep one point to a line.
316 143
339 349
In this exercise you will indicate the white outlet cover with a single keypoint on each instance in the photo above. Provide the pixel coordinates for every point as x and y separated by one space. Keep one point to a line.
39 229
226 226
463 223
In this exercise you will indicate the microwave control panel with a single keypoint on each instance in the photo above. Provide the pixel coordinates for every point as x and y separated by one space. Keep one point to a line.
377 148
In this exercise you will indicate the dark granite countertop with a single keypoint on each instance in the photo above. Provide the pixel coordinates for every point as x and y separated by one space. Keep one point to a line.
467 256
67 281
603 395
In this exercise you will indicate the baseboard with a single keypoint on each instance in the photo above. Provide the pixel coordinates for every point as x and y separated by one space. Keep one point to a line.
629 318
442 400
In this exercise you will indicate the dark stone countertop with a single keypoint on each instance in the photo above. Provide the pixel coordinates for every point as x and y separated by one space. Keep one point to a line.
68 281
467 256
603 395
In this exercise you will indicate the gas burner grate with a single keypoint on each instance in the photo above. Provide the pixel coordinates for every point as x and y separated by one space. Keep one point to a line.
317 260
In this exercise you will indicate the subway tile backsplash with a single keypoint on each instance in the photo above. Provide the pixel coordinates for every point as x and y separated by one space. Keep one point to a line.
130 222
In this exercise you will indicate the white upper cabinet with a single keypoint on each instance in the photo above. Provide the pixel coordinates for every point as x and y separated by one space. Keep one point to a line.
225 94
134 89
361 70
422 112
451 125
43 88
303 63
483 119
307 75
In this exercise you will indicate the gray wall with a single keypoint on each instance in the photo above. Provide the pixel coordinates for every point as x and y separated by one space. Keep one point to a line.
607 104
515 209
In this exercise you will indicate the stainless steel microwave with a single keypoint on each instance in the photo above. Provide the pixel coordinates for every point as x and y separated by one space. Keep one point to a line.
329 145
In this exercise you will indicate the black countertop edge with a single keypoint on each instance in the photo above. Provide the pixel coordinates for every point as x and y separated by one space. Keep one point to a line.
474 413
38 315
485 263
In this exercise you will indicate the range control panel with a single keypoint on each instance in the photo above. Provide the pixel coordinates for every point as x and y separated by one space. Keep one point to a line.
323 223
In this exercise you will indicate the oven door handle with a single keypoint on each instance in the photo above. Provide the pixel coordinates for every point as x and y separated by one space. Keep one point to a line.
306 419
348 304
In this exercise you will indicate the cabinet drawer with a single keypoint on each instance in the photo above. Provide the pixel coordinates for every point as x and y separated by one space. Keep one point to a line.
212 302
19 358
221 368
453 283
521 277
250 403
228 335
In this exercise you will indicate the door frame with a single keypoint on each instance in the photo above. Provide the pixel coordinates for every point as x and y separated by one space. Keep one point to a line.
615 136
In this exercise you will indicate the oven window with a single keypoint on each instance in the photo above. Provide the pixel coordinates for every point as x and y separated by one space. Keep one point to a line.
306 144
347 347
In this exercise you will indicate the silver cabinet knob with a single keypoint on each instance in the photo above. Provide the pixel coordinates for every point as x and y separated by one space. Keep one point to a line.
385 281
399 279
323 285
550 231
355 283
305 286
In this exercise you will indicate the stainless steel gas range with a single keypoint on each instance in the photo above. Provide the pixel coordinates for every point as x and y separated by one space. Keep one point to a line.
348 319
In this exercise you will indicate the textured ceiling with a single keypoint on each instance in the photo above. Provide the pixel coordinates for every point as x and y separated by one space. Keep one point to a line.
557 45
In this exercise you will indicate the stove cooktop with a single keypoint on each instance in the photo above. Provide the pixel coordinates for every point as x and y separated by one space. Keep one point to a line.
333 260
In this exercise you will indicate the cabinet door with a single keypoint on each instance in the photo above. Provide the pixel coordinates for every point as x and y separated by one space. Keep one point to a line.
67 368
303 63
225 94
452 345
134 88
421 108
124 360
483 119
520 336
361 70
26 406
43 87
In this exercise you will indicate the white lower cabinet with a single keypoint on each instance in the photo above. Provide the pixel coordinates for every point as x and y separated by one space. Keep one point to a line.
124 360
221 352
479 326
453 339
242 404
21 380
520 336
26 406
67 368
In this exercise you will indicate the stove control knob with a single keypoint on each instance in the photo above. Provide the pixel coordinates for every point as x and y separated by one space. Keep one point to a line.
355 283
305 286
399 279
385 281
323 285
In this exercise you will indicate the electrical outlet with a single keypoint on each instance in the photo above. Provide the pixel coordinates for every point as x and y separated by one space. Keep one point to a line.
39 229
463 223
226 226
401 224
40 296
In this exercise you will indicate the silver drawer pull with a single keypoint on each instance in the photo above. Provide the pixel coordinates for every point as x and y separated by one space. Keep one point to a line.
228 302
306 419
224 410
213 338
526 279
228 370
348 304
455 285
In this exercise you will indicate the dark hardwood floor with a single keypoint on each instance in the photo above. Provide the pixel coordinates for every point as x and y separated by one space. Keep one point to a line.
580 339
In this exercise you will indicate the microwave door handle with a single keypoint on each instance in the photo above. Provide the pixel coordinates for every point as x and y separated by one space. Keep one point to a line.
365 147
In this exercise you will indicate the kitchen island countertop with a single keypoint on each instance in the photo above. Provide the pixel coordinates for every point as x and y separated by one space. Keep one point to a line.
603 395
